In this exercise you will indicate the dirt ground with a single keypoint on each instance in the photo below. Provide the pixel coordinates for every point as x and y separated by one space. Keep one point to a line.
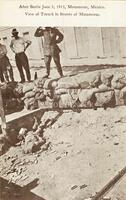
86 150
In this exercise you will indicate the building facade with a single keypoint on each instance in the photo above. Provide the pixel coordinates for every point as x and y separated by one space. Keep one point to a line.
81 45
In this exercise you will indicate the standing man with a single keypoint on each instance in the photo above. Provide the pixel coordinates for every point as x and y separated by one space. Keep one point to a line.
5 65
18 46
52 37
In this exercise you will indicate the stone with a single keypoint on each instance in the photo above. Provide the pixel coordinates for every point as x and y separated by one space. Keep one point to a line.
74 187
83 186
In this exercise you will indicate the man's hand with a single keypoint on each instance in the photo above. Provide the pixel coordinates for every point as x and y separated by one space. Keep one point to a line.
28 43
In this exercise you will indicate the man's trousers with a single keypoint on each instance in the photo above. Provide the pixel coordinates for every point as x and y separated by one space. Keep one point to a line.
56 59
22 62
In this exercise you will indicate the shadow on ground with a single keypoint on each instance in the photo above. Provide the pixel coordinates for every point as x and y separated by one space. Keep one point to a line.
88 68
11 191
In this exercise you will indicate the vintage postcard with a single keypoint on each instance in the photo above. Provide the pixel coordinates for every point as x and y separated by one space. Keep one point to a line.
62 100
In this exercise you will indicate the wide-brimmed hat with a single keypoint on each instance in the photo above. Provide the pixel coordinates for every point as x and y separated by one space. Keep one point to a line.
14 31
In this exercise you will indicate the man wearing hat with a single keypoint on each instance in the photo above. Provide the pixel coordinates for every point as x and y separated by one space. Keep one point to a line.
52 37
18 46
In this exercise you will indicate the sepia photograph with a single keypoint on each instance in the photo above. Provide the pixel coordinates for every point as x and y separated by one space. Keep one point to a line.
63 113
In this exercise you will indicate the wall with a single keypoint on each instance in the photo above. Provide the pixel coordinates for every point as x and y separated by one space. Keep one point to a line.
81 45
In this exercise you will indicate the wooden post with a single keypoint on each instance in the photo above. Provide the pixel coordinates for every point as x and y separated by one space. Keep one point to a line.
2 115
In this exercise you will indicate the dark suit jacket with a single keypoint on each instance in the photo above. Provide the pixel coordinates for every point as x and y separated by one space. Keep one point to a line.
52 37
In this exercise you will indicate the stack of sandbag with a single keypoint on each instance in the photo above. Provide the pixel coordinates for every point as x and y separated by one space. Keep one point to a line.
119 84
39 91
49 86
30 102
67 89
105 96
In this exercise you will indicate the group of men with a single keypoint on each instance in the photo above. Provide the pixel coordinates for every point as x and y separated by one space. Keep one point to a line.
51 38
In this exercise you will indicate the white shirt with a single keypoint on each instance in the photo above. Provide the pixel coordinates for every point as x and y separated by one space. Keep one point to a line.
18 45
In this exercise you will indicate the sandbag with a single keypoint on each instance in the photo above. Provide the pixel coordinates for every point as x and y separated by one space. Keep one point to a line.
40 82
37 90
61 91
74 93
29 94
85 85
86 95
118 81
96 80
28 87
105 99
66 101
103 88
37 95
49 84
87 80
67 82
41 97
31 103
48 92
106 79
123 95
119 97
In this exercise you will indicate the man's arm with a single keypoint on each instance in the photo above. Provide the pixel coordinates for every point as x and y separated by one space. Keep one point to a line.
38 32
11 46
60 36
28 43
4 50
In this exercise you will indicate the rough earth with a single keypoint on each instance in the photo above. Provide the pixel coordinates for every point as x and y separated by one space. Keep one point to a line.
85 150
